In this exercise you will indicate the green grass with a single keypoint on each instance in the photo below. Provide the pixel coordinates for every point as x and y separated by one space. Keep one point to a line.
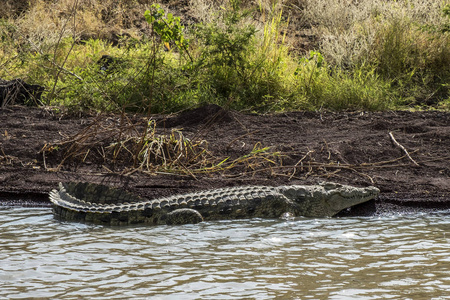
374 62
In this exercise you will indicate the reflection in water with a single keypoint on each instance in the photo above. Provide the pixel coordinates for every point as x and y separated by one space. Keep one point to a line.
358 258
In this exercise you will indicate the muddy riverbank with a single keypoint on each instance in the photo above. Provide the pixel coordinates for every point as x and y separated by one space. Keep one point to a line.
405 154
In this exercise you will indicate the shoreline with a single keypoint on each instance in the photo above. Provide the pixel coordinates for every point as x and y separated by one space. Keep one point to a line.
354 148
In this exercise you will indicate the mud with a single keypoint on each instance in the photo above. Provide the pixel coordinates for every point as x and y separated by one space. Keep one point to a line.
355 148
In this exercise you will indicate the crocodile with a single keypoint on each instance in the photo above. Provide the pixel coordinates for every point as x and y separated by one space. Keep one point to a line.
100 204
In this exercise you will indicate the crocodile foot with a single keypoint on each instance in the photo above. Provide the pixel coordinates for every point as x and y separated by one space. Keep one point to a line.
183 216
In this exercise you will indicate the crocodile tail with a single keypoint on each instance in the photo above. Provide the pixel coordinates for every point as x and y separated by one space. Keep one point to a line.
64 197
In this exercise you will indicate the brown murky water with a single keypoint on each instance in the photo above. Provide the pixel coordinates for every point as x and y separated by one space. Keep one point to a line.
394 257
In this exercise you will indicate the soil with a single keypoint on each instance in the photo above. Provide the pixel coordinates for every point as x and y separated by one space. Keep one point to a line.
355 148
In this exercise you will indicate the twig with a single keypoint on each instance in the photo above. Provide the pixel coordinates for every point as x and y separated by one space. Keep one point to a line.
73 13
52 62
363 175
45 163
401 147
328 149
300 161
240 137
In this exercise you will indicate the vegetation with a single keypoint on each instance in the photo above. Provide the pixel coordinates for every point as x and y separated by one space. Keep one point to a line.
136 55
124 148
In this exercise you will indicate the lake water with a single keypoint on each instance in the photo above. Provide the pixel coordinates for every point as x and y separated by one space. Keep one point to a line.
392 257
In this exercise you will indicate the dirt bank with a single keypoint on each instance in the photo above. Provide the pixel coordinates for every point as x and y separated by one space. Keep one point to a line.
356 148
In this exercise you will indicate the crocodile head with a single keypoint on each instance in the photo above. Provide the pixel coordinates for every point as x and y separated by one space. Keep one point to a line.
326 199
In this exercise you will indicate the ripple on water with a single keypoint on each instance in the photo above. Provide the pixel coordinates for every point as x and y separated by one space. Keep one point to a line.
365 258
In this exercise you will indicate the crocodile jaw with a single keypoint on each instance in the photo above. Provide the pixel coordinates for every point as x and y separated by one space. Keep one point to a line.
345 197
326 199
340 200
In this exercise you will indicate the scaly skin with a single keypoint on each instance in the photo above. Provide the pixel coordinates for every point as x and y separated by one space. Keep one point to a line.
100 204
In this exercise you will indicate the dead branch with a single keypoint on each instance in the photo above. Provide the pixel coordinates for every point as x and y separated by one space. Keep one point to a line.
403 148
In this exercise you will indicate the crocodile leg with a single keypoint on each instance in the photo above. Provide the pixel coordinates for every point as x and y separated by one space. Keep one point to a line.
183 216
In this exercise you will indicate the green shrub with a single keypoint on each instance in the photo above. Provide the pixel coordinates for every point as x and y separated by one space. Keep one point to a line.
136 81
224 64
237 69
416 61
321 86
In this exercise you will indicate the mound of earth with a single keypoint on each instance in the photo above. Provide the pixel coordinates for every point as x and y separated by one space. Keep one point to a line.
405 154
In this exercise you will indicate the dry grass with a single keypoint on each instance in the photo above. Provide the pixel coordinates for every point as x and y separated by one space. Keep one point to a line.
120 145
337 16
348 29
46 21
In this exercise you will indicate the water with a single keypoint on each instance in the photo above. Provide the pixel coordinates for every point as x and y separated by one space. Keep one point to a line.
395 257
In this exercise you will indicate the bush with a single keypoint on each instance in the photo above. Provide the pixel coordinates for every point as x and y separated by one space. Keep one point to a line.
321 86
416 61
373 55
235 67
404 42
